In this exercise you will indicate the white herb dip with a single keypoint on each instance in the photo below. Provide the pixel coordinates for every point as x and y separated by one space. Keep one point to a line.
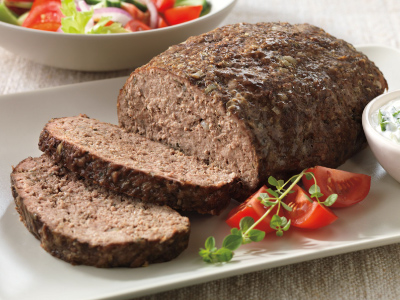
386 120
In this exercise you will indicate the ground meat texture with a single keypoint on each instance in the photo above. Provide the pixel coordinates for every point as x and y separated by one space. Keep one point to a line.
257 99
81 223
134 165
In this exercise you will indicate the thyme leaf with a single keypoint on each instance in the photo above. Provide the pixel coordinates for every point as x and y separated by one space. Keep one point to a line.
246 233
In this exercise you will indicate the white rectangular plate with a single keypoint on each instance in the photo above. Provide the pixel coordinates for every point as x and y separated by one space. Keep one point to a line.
28 272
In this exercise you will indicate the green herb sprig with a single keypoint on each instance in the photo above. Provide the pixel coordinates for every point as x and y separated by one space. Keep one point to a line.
382 120
247 233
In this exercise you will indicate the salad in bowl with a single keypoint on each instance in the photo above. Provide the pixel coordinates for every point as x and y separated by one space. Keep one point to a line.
88 36
100 16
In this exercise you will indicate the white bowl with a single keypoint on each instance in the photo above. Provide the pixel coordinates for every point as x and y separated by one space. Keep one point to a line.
105 52
386 151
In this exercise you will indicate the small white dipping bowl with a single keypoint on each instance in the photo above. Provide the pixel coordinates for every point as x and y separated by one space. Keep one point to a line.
105 52
386 151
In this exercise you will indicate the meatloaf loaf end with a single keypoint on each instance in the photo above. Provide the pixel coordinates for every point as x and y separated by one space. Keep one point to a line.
257 99
132 164
85 224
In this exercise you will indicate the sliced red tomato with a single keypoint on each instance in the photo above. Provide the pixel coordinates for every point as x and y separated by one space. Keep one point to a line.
44 15
161 22
181 14
306 214
163 5
135 12
252 207
351 188
39 2
136 25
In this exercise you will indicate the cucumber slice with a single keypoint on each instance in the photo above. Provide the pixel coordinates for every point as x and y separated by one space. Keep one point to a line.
206 8
113 3
189 2
22 18
206 5
19 4
138 4
7 15
93 2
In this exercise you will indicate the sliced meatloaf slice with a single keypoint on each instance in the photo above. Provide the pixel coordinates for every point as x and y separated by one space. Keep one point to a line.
257 99
134 165
82 223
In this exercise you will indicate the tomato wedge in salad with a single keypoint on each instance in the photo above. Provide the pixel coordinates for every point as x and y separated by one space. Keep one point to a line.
136 25
161 22
181 14
351 188
252 207
306 214
163 5
44 15
135 12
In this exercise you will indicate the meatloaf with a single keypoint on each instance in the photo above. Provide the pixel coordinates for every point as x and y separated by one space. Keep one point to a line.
134 165
257 99
86 224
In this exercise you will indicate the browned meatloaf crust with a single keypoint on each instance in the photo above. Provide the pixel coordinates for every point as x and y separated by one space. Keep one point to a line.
85 224
132 164
257 99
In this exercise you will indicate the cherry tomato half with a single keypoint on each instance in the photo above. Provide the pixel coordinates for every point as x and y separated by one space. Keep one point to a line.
181 14
161 22
306 214
44 15
136 25
163 5
135 12
252 207
40 2
351 188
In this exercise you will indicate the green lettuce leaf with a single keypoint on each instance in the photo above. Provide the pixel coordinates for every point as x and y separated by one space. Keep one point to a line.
100 27
75 21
